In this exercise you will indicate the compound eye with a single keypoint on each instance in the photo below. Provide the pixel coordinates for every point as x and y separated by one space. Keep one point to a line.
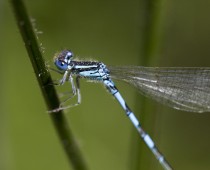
61 65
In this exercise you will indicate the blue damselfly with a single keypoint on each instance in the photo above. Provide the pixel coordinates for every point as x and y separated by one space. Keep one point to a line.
182 88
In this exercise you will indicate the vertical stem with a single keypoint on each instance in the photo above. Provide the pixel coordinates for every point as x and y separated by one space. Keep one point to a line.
149 53
48 91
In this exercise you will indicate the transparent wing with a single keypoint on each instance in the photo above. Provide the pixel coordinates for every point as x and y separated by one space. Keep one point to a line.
185 88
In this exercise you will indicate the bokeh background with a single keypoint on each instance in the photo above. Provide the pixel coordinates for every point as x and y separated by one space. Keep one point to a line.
116 33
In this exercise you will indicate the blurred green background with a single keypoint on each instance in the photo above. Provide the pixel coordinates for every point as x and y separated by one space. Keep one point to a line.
113 32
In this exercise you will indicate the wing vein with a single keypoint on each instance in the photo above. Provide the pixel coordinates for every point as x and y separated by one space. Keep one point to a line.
181 88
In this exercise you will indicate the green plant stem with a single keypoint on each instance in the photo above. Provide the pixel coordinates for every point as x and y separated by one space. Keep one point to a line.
151 35
48 91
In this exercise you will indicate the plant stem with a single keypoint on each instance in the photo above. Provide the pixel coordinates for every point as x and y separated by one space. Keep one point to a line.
48 91
151 36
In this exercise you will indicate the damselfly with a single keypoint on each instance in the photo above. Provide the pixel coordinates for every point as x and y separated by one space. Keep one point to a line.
185 89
